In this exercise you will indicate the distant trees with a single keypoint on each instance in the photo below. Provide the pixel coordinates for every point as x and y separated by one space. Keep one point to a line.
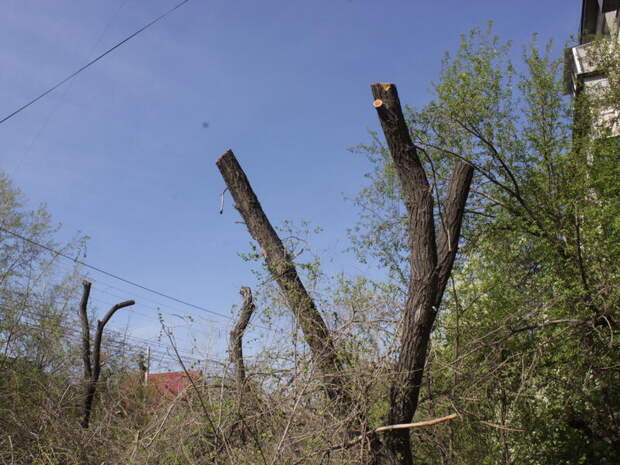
34 297
39 358
35 303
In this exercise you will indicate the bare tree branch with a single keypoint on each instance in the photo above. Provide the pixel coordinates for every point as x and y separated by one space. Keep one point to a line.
280 265
92 361
99 335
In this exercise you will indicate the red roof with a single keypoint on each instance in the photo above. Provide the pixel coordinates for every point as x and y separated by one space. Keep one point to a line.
171 384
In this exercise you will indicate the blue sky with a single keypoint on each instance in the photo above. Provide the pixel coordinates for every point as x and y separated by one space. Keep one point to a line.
121 153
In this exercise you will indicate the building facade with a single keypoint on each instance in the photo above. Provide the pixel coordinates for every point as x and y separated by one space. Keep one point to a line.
600 19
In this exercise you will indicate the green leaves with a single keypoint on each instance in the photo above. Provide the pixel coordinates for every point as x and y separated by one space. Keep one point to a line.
527 336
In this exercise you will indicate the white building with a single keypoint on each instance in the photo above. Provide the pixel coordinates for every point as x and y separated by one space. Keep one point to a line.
599 19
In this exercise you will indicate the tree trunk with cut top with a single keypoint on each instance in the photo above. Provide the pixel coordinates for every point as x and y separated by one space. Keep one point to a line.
433 251
92 359
283 270
432 255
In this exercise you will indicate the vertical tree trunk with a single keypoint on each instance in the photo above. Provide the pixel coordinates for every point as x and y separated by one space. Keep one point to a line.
85 329
92 360
236 337
431 266
235 350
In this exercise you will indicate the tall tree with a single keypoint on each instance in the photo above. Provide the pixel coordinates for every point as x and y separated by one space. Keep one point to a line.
534 287
431 262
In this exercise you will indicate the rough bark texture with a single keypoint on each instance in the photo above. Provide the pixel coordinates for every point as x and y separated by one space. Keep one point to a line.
92 360
236 337
453 211
85 329
280 265
430 266
235 349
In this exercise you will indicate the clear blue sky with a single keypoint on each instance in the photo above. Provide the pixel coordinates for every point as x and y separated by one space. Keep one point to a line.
121 153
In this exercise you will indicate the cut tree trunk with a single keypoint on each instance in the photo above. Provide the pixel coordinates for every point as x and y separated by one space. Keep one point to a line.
236 337
431 265
92 359
283 270
431 260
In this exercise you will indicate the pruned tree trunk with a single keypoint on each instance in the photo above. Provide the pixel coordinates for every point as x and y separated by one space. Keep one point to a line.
235 350
236 337
432 258
431 264
88 371
92 359
281 266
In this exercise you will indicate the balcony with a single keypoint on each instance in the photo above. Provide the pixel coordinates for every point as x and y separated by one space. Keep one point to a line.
577 67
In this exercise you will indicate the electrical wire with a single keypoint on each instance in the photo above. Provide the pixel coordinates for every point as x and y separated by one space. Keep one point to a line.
57 107
125 294
138 343
112 275
92 62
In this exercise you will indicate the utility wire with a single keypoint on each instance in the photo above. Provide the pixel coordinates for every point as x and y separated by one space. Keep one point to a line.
118 334
57 107
93 61
125 294
112 275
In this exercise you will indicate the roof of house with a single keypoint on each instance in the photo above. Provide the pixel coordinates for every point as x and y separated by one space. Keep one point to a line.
171 384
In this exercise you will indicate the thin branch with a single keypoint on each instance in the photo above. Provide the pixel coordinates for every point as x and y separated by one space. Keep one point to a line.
503 428
418 424
216 432
495 153
402 426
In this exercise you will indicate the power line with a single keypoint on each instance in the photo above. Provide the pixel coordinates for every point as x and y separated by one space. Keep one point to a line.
112 275
126 293
121 339
93 61
57 107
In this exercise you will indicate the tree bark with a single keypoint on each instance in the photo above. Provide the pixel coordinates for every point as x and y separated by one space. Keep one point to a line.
280 265
453 212
431 266
92 360
236 337
235 349
431 261
85 329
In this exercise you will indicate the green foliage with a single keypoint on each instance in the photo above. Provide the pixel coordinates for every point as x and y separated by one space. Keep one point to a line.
527 337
